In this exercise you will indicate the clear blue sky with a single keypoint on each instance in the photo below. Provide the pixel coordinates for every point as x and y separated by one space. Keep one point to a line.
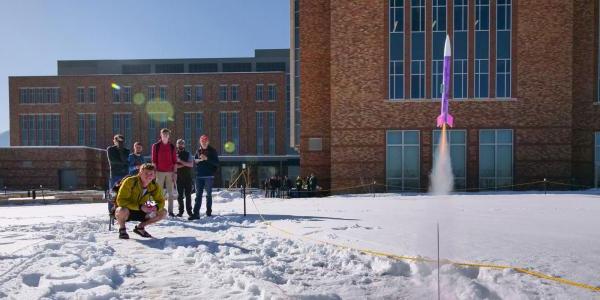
37 33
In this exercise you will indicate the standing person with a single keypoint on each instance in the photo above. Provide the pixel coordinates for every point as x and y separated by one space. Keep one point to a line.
185 163
207 162
312 184
299 185
135 159
164 156
267 186
140 199
117 161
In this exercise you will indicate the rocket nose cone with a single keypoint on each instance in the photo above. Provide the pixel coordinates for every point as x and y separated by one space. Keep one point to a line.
447 48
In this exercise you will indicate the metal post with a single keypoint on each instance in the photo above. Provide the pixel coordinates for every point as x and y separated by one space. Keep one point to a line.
244 186
545 186
438 259
373 188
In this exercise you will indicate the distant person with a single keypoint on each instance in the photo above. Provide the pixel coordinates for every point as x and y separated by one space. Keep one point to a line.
312 184
140 199
207 162
117 161
164 157
185 163
267 187
299 185
135 159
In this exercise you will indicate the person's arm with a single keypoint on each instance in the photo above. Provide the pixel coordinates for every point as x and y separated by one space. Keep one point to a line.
189 162
132 163
124 197
154 154
213 158
174 158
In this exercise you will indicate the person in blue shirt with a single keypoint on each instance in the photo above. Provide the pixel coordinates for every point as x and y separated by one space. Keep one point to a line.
135 159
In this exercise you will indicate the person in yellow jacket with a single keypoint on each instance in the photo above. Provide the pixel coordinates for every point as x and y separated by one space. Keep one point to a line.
140 199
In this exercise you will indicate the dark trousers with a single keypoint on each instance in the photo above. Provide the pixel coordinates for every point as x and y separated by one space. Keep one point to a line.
111 183
201 184
184 188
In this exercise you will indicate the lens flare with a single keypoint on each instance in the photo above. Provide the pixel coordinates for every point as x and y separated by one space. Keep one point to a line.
139 98
115 86
160 111
229 147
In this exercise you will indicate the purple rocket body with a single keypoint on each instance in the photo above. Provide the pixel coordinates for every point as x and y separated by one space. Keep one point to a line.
445 117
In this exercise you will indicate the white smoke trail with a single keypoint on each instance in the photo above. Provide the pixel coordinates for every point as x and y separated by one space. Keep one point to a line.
441 178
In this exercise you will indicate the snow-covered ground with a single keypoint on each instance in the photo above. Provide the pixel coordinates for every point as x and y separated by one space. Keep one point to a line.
66 251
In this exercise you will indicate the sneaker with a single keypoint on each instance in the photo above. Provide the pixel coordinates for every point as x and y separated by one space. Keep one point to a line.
179 215
209 213
171 215
123 234
142 232
194 217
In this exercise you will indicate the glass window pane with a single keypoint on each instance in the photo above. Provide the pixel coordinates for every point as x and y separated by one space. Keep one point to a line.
487 137
394 137
411 161
504 161
394 162
505 136
411 137
457 156
487 161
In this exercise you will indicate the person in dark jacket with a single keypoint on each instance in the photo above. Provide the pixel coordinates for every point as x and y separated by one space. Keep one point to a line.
135 159
117 160
312 185
207 162
185 163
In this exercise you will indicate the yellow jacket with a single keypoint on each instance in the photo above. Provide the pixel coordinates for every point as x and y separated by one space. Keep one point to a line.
131 194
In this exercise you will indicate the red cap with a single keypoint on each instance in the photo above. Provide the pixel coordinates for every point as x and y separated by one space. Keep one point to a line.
204 138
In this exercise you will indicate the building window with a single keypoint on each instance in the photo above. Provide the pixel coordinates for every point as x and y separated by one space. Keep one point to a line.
122 124
503 48
260 92
403 160
495 158
156 122
482 48
187 93
396 49
39 95
438 39
92 94
80 94
461 46
199 93
235 132
272 92
116 93
193 128
271 122
126 94
163 93
457 140
234 92
260 133
223 130
417 64
40 129
151 93
86 129
223 92
597 159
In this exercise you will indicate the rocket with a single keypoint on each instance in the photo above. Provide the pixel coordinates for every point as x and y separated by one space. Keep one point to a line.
445 117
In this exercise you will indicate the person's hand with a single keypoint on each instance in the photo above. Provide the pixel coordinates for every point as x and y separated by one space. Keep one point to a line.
203 157
148 209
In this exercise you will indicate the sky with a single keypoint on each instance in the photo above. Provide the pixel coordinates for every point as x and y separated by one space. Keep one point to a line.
37 33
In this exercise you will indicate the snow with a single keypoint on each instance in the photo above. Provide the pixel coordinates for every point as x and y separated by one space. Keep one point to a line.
66 251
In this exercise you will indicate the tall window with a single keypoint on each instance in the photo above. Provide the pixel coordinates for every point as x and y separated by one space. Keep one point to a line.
39 95
151 93
92 94
199 93
187 93
193 129
223 130
260 92
482 48
126 94
40 129
234 92
461 46
86 129
156 122
458 155
503 48
122 125
403 160
271 120
163 93
235 132
396 48
223 92
260 133
438 39
81 94
116 93
272 92
495 158
417 63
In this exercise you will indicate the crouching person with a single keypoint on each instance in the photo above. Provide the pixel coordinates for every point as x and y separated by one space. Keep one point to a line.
140 199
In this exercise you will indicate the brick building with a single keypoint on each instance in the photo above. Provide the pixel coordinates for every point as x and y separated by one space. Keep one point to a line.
524 89
237 101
